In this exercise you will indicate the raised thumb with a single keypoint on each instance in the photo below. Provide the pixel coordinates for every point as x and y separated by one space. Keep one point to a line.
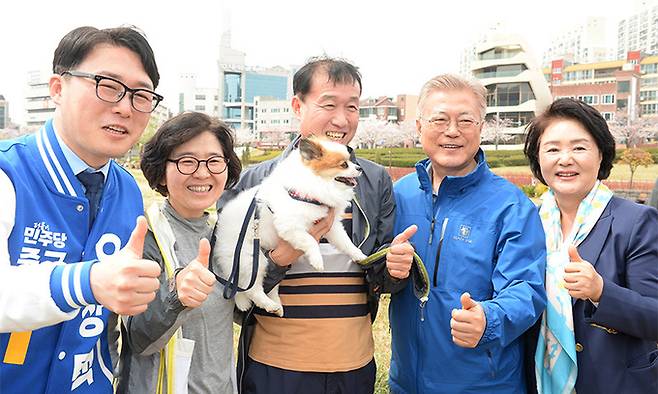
405 235
136 242
204 253
573 254
467 301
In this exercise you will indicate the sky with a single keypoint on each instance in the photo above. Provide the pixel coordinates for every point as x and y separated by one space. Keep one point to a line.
397 45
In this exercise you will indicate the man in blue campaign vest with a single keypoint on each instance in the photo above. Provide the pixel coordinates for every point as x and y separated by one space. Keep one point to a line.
68 259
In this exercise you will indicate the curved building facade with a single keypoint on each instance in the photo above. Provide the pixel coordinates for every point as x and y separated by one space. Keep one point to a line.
516 87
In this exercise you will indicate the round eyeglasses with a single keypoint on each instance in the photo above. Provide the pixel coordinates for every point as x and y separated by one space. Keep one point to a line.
112 91
441 124
189 165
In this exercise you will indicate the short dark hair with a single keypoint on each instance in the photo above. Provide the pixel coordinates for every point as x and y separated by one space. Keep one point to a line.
338 71
78 43
578 111
178 130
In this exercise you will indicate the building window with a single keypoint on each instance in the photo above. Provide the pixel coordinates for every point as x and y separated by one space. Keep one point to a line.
648 95
649 82
649 68
589 99
199 96
232 87
509 94
622 103
649 109
608 115
199 107
607 99
623 86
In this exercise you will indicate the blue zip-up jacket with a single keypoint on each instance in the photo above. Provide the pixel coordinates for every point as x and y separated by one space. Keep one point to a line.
480 235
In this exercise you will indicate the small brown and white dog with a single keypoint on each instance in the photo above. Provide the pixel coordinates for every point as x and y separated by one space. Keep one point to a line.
299 191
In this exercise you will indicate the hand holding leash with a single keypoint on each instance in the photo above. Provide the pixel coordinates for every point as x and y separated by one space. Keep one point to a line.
467 324
195 282
401 254
581 279
124 282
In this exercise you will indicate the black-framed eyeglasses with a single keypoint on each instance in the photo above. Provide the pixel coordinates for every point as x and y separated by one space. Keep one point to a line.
112 90
188 165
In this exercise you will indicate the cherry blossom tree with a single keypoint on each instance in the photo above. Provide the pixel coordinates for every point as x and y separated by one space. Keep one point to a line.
494 130
632 131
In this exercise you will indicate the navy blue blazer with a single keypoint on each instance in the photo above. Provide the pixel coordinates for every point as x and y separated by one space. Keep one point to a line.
616 341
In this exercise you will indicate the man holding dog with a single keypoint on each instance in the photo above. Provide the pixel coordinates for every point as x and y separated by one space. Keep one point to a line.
70 253
483 245
324 341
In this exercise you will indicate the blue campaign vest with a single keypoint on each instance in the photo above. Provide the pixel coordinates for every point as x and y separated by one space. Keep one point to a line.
51 224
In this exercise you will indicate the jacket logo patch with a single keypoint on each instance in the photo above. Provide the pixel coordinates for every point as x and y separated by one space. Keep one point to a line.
464 234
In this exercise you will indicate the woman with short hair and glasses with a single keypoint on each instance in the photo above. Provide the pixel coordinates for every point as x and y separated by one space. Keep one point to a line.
599 332
184 340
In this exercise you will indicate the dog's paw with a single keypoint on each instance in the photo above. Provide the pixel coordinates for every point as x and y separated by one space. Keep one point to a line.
278 311
318 264
275 308
357 255
242 302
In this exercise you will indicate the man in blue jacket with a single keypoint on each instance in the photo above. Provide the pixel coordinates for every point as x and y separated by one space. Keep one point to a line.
483 246
68 254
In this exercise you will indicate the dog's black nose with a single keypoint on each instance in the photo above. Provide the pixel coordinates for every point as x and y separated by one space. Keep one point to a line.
358 168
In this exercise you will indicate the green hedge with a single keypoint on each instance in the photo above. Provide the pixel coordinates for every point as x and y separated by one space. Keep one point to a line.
408 157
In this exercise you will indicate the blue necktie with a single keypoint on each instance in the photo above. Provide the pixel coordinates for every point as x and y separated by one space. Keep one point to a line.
93 183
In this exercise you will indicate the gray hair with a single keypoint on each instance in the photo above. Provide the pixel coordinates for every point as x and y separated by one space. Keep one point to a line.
453 82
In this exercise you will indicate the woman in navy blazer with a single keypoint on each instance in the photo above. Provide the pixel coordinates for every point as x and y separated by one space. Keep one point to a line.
612 276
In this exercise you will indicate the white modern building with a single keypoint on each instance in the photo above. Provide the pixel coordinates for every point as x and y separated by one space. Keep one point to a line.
194 98
586 43
639 32
239 84
516 88
274 122
39 107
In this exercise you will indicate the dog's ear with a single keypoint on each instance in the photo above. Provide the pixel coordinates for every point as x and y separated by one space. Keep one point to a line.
310 149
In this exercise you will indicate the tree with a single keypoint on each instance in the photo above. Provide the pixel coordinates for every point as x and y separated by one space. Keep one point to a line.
409 132
244 136
494 130
635 158
632 131
391 136
370 132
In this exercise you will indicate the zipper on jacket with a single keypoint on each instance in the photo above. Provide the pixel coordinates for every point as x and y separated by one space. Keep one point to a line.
492 372
432 229
367 232
438 252
422 310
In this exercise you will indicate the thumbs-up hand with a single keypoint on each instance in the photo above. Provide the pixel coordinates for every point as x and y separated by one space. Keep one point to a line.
401 254
125 283
195 282
581 279
467 324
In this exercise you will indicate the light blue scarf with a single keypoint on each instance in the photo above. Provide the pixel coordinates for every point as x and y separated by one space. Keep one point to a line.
556 368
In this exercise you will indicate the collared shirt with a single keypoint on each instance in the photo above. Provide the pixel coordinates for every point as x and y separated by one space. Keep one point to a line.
75 162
